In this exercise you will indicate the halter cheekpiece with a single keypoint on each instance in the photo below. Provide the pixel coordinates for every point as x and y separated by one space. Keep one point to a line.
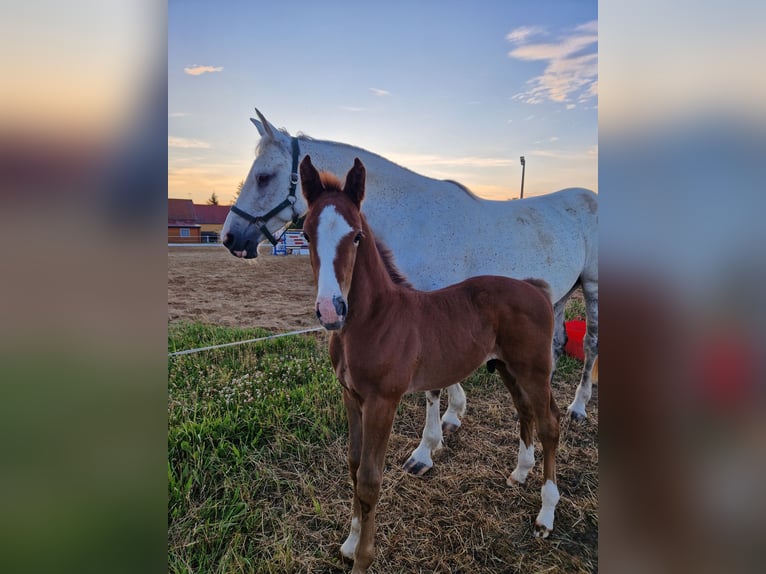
289 201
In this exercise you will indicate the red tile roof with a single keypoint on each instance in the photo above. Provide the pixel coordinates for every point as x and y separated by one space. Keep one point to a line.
181 211
211 214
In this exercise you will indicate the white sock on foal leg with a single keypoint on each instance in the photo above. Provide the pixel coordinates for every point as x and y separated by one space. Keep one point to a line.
348 549
455 408
420 460
525 463
544 521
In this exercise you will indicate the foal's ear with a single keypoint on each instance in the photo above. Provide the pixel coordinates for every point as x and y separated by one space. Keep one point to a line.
311 184
354 186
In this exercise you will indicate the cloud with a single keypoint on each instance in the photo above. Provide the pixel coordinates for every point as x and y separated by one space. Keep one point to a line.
351 109
591 26
425 160
584 155
196 70
521 34
379 92
571 73
187 143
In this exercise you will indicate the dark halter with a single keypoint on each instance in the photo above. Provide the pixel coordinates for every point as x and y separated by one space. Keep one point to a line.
289 201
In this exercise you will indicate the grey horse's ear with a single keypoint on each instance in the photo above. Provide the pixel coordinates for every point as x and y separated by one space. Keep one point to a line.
354 186
263 126
311 183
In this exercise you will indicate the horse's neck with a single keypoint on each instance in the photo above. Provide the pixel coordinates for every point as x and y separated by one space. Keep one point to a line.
401 184
371 282
337 157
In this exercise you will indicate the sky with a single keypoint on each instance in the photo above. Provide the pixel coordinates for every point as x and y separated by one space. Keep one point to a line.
451 90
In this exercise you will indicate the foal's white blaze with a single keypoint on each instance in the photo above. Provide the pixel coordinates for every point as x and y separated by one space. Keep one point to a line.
332 227
525 463
550 496
348 549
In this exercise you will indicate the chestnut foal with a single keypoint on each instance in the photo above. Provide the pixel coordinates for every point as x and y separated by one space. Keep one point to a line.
389 339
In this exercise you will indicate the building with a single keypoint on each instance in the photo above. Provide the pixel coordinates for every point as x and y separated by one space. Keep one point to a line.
182 222
190 223
211 219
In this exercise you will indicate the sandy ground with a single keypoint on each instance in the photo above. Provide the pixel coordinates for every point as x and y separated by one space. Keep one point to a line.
209 285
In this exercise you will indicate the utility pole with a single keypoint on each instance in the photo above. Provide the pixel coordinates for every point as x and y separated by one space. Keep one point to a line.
523 167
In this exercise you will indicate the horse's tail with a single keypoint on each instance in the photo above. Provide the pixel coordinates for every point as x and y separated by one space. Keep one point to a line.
542 286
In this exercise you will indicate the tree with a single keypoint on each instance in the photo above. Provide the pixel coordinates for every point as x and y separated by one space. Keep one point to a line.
240 185
213 200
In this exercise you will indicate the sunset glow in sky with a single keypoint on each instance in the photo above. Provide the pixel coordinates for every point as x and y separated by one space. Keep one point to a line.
449 90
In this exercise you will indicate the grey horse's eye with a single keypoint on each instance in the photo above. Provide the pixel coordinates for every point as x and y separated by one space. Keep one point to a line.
263 179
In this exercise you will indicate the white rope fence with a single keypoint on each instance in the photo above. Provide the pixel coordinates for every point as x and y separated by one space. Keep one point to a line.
221 346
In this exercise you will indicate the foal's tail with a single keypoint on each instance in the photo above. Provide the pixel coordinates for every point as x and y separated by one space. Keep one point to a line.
542 286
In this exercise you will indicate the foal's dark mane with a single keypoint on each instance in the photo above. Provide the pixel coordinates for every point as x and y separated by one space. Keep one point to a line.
332 183
387 256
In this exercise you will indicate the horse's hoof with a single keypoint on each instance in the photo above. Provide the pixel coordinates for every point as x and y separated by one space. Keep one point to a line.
575 416
345 557
415 467
449 428
542 531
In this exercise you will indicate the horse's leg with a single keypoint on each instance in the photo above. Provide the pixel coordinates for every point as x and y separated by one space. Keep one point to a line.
590 347
559 329
547 420
420 460
455 409
377 419
526 455
354 414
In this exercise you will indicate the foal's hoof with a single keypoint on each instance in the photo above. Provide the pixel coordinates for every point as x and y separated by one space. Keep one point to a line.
542 531
512 481
449 428
415 467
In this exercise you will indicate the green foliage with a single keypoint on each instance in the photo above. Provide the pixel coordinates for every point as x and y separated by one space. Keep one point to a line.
234 416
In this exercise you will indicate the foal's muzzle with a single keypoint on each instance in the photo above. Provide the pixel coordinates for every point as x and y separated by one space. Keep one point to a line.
331 312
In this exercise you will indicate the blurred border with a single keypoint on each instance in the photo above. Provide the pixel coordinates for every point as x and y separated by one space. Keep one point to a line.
682 140
83 186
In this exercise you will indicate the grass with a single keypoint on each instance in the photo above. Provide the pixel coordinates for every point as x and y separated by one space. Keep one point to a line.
258 482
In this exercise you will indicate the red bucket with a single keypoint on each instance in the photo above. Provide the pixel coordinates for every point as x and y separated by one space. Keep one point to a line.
575 336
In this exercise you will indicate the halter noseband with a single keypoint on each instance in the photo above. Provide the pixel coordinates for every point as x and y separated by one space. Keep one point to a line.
289 201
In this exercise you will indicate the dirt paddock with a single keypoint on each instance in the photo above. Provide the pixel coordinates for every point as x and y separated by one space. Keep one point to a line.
209 285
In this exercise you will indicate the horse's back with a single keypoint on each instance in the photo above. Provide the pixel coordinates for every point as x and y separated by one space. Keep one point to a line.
553 236
493 294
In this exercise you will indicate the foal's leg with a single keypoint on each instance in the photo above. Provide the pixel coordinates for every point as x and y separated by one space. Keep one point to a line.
590 347
526 456
547 420
377 419
420 460
354 414
455 409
